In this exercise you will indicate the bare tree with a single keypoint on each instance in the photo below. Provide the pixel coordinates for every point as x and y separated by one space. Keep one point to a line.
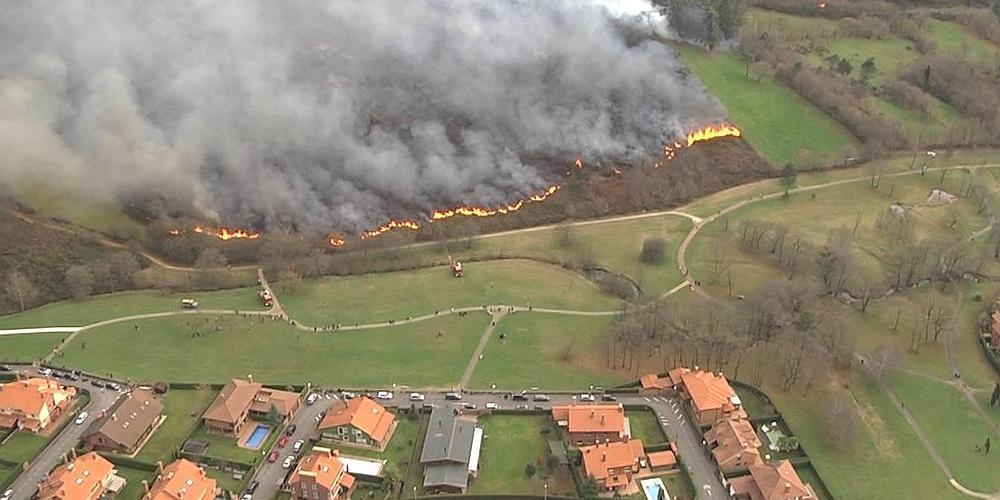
881 361
211 266
79 281
20 289
122 265
101 272
841 420
289 280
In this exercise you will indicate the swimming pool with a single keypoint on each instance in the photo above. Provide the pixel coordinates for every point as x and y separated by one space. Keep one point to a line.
653 488
257 437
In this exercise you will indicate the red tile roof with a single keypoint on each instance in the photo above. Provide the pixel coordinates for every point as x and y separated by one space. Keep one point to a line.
362 413
82 479
591 418
773 482
324 465
709 391
600 459
662 459
182 480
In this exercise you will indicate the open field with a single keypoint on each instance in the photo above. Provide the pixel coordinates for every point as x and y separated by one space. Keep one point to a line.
779 123
645 426
28 347
22 447
510 443
385 296
276 353
91 310
550 351
183 409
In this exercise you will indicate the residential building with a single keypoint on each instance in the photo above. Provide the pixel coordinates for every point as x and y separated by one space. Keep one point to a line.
450 455
359 421
652 383
241 399
710 395
591 424
86 477
734 444
33 404
321 476
662 460
771 482
125 426
181 480
613 464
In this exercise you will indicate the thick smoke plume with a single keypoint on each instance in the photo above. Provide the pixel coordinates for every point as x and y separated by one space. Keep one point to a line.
331 115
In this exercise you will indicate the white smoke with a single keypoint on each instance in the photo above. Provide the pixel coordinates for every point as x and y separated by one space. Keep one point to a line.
331 114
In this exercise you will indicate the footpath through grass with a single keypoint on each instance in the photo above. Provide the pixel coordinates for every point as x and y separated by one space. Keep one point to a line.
550 351
511 443
780 124
191 348
102 307
394 296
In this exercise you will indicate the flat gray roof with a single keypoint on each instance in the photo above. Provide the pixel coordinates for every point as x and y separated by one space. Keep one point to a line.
451 474
449 437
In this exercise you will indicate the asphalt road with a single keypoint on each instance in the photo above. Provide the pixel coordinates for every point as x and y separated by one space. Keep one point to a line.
100 399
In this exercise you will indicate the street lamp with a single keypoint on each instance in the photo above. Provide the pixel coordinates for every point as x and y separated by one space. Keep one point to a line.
546 488
414 493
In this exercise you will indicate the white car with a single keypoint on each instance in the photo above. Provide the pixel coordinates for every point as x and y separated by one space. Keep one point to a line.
588 398
7 495
383 395
45 371
492 406
312 399
287 464
246 497
298 445
81 418
416 396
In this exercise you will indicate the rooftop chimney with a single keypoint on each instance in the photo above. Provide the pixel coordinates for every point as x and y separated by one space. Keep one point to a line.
145 486
604 456
250 378
159 466
788 487
602 419
591 413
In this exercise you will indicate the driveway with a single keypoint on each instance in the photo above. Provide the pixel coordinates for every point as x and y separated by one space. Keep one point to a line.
100 399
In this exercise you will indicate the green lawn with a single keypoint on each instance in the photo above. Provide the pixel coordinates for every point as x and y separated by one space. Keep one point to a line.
646 426
225 480
91 310
891 54
224 447
23 447
510 443
385 296
133 481
954 39
183 409
780 124
28 347
164 349
550 351
7 475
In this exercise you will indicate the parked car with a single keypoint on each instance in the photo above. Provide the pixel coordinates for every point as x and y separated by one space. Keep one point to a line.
521 407
469 406
5 368
96 383
453 396
287 464
45 371
348 395
252 487
384 395
416 396
290 429
541 397
273 457
189 303
298 445
428 406
81 418
609 397
283 441
311 400
492 406
248 496
113 386
589 398
7 495
520 397
74 375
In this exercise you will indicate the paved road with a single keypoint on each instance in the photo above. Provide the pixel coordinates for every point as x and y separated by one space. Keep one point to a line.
272 475
100 399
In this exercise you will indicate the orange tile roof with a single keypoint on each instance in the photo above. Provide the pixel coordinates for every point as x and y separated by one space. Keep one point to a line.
599 458
735 444
284 401
363 413
30 396
708 391
324 465
653 381
182 480
662 459
84 478
677 374
232 401
591 418
773 482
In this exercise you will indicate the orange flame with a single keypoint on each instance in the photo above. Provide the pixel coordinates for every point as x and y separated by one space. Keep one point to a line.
578 162
705 134
222 233
337 240
389 226
481 211
175 232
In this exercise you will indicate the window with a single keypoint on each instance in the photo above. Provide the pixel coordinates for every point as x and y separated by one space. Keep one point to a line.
341 430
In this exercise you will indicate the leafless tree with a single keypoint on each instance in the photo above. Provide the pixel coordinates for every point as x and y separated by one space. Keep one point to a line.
79 281
881 361
122 265
20 289
289 280
841 420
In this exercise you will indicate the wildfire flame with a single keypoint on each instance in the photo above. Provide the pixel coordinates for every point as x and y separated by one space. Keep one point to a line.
822 5
223 233
705 134
389 226
337 240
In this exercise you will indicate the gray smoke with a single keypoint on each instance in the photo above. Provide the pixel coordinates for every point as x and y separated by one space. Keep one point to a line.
330 115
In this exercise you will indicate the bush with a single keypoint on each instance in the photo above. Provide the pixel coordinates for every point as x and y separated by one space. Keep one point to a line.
653 250
529 470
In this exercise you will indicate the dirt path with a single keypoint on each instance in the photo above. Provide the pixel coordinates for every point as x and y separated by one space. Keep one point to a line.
496 314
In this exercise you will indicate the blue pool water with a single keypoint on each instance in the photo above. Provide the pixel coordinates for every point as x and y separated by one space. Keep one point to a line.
653 488
257 436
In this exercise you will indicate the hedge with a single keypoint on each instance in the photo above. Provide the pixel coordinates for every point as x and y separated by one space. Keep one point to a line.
990 355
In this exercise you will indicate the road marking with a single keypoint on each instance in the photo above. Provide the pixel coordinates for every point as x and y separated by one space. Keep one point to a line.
647 399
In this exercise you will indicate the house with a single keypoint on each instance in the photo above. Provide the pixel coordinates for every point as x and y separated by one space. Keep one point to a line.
710 395
652 383
771 482
613 464
125 426
451 451
240 399
662 460
360 421
33 404
734 445
591 424
995 331
181 480
86 477
321 476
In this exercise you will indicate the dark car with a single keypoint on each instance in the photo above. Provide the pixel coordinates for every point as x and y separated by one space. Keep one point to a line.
252 487
96 383
74 375
520 397
113 386
290 430
5 368
453 396
609 397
